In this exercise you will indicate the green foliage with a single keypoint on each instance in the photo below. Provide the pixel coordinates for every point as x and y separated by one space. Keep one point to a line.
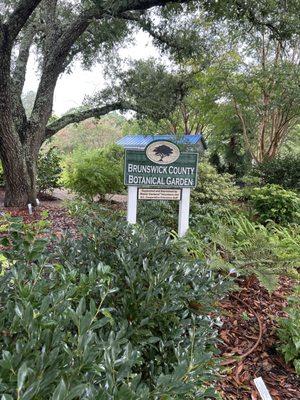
94 172
162 213
49 170
289 331
274 203
90 134
226 143
213 187
151 90
165 99
284 171
236 243
112 320
24 242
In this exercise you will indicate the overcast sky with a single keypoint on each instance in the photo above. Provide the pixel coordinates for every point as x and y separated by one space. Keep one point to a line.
71 88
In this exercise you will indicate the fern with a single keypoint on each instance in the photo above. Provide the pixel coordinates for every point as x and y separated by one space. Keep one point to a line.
267 252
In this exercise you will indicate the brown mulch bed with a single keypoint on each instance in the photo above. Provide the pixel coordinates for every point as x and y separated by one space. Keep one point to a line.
58 217
240 332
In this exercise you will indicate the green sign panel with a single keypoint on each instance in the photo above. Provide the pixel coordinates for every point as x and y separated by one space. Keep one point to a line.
161 165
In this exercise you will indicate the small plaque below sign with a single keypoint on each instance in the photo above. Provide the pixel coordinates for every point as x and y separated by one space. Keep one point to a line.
159 194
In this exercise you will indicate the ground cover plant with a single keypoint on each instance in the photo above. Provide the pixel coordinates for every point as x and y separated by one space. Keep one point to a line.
234 243
119 314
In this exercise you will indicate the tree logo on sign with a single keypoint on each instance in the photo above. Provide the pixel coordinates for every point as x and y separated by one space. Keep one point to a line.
162 152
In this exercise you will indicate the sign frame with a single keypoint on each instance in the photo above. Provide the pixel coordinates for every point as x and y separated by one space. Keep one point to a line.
184 202
127 151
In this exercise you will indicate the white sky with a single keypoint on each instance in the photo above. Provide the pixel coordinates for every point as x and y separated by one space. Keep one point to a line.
72 88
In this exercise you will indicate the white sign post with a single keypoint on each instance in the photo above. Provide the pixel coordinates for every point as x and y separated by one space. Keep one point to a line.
132 204
184 212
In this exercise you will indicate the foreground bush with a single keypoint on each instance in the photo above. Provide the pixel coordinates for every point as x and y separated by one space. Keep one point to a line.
118 314
289 331
94 172
272 202
283 171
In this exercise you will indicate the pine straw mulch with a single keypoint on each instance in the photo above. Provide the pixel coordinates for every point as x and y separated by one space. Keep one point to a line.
240 332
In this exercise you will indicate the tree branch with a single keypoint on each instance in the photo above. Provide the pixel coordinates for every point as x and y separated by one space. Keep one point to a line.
147 27
79 116
55 62
20 16
75 30
19 72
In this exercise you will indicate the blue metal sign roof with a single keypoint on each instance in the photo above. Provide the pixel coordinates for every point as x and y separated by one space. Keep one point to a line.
141 141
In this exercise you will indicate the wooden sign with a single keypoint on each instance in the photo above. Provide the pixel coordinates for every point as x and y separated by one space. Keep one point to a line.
160 172
159 194
160 165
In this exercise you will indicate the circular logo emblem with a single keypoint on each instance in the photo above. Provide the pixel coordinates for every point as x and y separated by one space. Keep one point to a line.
162 152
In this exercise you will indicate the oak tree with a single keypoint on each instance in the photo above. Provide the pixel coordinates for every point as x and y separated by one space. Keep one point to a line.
60 31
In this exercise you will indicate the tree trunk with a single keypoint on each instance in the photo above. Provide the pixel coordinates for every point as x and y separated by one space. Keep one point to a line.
20 177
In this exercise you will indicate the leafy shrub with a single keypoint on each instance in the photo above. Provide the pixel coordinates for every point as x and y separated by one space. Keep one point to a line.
284 171
49 170
114 319
94 172
289 331
272 202
213 187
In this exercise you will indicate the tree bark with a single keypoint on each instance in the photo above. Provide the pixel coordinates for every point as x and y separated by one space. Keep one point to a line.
20 171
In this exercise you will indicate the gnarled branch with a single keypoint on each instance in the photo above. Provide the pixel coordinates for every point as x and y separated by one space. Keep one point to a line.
79 116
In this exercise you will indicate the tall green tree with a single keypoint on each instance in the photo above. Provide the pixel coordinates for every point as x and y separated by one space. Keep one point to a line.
162 97
263 85
257 73
60 31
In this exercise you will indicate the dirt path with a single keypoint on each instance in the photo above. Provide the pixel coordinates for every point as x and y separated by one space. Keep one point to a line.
58 196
